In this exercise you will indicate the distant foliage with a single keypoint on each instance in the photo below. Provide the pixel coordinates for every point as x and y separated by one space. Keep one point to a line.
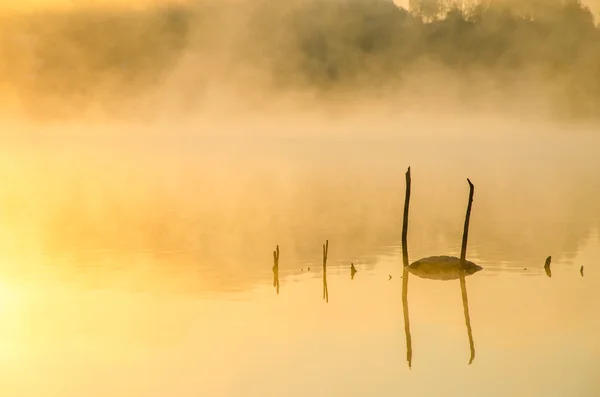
306 44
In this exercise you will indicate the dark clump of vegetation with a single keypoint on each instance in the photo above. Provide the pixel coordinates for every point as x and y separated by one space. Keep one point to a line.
346 46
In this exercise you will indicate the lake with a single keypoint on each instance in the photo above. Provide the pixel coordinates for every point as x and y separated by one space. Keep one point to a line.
142 266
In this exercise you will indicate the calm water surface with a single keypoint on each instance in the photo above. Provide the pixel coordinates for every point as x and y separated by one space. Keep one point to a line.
144 267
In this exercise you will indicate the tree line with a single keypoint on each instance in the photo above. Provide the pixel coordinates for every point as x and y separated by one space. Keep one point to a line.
322 45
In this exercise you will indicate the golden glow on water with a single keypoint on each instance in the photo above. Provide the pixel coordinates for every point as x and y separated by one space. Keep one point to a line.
145 270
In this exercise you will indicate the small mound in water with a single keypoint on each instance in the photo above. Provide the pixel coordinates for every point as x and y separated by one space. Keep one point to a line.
441 268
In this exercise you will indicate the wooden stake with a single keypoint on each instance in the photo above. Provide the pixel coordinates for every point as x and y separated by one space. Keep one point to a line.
405 220
463 250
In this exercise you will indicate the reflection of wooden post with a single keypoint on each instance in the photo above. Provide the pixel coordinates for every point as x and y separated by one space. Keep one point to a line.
405 220
405 272
406 317
463 250
276 269
463 290
325 290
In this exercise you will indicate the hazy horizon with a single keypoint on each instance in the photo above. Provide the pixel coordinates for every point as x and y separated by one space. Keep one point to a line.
205 61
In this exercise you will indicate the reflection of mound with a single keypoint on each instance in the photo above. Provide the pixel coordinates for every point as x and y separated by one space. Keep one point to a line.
442 268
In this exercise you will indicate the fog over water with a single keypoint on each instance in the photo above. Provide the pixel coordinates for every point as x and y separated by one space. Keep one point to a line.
154 155
214 60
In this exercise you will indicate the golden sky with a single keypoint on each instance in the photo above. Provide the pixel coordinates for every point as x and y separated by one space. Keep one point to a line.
25 5
22 5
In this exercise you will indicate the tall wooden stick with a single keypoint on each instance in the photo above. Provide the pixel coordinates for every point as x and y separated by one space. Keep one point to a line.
463 250
405 220
405 272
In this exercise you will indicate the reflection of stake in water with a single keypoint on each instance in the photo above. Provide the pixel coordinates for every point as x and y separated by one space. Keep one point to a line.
406 316
465 300
352 271
438 268
325 290
276 269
